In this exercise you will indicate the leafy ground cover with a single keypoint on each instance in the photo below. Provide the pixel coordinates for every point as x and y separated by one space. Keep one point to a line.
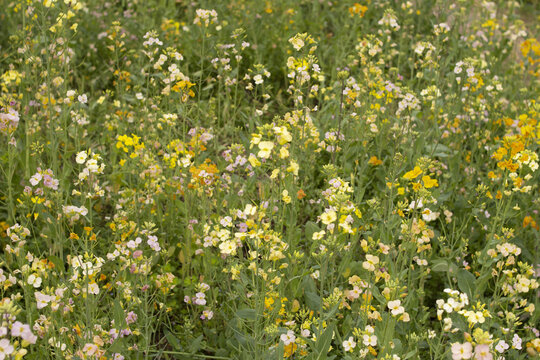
253 179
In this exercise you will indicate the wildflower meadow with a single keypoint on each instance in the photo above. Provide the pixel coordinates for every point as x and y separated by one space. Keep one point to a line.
269 179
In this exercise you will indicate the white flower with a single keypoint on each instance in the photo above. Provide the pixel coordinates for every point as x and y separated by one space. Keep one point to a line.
395 307
42 299
153 243
258 79
457 68
370 330
228 247
502 346
93 288
207 315
131 244
82 99
34 280
92 165
429 215
349 344
81 157
35 179
74 211
415 205
370 340
200 298
288 338
516 342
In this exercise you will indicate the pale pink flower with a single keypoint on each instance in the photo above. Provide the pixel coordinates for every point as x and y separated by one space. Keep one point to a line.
5 348
461 351
481 352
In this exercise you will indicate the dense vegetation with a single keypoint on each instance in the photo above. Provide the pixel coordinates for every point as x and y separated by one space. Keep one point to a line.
248 179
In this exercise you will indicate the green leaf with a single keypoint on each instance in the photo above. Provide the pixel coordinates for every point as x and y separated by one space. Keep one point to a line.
377 294
309 284
438 150
313 301
116 346
119 315
195 345
172 340
311 228
439 265
323 343
58 263
481 283
466 282
280 351
330 314
410 354
247 314
397 346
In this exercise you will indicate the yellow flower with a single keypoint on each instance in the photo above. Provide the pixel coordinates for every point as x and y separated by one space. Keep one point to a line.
293 167
413 173
283 135
268 301
328 217
297 42
285 196
254 161
429 182
255 138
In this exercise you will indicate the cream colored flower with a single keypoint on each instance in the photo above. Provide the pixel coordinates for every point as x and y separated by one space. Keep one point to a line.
265 149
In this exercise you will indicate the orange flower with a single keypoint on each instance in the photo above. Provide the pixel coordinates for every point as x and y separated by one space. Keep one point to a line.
374 161
358 9
290 349
528 220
